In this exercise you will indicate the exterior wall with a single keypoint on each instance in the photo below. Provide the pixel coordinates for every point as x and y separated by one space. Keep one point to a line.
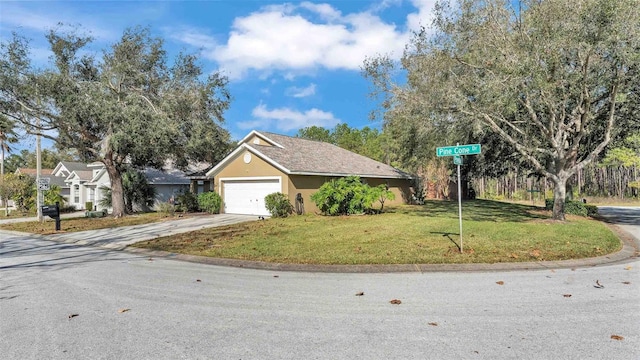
307 185
252 141
401 188
256 168
164 192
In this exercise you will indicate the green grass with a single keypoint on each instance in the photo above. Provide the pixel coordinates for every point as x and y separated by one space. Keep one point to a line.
83 223
493 232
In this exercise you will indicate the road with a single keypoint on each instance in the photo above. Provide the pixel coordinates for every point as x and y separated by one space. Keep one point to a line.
65 301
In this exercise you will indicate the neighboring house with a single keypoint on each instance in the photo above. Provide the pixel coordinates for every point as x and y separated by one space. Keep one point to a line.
33 172
81 182
265 163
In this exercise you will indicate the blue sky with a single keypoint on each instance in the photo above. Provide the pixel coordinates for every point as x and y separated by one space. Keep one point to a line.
290 64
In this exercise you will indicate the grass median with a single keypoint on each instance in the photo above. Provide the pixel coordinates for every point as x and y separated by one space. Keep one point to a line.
429 234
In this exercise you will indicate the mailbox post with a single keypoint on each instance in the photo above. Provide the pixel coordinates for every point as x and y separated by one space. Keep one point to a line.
52 211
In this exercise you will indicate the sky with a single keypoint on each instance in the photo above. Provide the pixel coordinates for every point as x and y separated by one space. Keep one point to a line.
290 64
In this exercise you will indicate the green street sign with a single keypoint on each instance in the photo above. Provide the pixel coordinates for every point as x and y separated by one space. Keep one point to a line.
471 149
457 160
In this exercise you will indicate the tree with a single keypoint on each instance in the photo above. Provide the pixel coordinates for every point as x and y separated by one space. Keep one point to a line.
131 108
137 191
7 136
548 77
367 141
316 133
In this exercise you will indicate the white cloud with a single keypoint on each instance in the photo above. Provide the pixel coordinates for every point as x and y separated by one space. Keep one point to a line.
286 119
326 11
297 92
423 17
281 38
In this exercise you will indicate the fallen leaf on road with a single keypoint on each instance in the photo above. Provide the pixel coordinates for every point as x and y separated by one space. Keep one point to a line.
150 259
598 285
276 276
395 302
567 295
360 293
617 337
628 267
553 271
433 323
626 282
198 280
500 282
73 315
123 310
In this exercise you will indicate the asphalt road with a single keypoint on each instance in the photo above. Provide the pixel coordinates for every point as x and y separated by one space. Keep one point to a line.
64 301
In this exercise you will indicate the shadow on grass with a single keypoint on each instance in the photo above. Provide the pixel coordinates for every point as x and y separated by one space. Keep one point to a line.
476 210
448 236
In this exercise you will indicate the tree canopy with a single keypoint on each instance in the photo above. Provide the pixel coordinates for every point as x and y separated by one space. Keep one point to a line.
133 107
552 79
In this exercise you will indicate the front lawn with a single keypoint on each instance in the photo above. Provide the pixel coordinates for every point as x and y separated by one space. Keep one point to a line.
493 232
83 223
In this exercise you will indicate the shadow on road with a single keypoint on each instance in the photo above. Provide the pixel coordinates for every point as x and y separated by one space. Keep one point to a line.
620 215
23 252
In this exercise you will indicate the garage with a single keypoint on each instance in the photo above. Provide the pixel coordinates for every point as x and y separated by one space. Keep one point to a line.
247 196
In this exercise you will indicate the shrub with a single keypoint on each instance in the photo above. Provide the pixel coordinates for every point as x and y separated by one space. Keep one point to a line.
187 202
165 209
349 195
210 202
88 205
278 205
574 208
592 210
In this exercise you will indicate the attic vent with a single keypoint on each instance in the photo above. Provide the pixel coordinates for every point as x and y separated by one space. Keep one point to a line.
247 158
256 141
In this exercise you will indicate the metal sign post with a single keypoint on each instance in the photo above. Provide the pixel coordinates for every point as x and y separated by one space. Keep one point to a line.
457 152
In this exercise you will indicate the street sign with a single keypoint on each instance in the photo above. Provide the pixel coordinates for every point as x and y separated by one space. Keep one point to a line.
457 160
471 149
43 183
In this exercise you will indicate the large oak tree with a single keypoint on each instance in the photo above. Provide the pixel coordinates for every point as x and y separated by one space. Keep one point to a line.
551 78
131 107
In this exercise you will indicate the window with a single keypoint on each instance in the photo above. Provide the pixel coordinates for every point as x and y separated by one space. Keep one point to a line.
76 193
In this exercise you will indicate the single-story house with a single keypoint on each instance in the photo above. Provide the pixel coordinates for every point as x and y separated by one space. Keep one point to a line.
264 163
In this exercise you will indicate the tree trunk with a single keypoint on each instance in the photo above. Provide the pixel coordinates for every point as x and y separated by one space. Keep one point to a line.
117 192
559 194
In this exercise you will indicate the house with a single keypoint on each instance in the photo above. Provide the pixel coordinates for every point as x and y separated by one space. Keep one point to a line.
264 163
81 183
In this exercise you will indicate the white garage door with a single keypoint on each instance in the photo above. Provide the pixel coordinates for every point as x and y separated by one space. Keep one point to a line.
247 196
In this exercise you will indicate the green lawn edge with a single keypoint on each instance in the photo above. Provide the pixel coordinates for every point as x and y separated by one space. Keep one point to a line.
493 232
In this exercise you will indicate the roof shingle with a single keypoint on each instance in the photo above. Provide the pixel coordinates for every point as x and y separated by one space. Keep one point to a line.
302 156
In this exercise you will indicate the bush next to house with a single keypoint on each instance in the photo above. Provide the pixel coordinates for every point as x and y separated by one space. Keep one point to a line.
574 207
349 195
210 202
278 205
187 202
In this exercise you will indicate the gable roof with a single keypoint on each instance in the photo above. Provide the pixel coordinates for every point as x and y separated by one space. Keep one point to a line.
297 156
33 172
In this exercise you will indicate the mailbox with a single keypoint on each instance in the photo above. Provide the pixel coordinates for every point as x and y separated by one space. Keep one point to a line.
52 211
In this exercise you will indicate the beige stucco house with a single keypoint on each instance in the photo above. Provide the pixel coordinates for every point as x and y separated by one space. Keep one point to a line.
264 163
